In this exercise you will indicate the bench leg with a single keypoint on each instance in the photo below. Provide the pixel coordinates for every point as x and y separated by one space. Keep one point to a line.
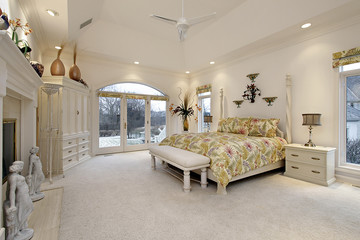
187 186
204 177
153 163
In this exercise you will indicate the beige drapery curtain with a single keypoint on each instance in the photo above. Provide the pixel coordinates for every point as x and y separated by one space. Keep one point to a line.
346 57
203 89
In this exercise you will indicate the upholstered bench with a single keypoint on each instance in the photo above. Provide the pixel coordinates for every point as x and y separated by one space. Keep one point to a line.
183 160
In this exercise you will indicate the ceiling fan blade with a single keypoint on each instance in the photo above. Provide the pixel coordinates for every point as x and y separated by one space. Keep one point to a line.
168 20
196 20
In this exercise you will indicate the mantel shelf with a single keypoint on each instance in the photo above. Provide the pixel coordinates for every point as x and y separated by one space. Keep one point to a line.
18 72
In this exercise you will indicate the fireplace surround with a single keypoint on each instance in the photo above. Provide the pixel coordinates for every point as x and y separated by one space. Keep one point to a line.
18 80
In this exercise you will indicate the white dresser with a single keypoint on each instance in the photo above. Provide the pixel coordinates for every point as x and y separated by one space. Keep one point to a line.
312 164
71 121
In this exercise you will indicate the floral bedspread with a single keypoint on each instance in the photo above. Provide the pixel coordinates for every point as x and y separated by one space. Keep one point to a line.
230 154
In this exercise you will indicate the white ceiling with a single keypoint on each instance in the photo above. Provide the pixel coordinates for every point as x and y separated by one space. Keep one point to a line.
122 29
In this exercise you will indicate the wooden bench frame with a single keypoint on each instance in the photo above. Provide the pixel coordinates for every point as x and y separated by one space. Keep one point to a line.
186 179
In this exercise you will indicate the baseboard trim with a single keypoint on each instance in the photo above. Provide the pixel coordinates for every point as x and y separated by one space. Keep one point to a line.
348 179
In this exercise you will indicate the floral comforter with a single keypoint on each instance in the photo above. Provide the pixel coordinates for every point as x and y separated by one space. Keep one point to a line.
230 154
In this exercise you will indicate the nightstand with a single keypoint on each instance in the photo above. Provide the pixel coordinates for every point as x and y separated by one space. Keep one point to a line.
312 164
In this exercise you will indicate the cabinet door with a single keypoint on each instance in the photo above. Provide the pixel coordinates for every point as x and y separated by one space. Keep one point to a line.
85 113
72 111
65 112
79 112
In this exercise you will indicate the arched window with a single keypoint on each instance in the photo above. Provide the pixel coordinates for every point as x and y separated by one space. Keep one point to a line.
132 110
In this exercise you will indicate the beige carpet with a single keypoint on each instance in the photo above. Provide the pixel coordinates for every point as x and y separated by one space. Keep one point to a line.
121 197
45 219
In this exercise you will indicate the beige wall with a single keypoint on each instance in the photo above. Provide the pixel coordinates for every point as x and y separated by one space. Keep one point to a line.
315 84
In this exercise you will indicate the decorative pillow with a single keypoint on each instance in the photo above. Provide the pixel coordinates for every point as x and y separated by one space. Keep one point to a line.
263 127
234 125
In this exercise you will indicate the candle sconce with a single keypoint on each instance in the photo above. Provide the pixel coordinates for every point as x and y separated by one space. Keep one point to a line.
238 102
269 100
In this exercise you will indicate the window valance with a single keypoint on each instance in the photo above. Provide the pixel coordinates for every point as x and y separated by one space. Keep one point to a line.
346 57
203 89
130 96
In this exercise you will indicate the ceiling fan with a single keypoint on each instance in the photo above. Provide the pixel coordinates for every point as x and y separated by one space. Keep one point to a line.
183 24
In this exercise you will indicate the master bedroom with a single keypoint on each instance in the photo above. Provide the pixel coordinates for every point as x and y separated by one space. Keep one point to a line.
180 119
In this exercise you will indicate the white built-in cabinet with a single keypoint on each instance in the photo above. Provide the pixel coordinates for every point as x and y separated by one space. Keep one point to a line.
70 136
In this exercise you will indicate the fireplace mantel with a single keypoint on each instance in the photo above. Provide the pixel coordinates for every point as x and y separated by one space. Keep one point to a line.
18 77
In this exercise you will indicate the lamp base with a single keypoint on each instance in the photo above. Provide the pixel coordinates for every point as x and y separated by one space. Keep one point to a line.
309 144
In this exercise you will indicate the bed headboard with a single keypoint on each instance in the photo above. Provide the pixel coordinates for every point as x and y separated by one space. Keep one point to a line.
288 135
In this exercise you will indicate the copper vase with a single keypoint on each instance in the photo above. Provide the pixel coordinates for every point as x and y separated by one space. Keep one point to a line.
57 68
74 72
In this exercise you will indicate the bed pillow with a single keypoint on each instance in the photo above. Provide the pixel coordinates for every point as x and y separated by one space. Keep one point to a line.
263 127
234 125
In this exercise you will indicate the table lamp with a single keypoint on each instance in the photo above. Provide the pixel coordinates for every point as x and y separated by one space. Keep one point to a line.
311 119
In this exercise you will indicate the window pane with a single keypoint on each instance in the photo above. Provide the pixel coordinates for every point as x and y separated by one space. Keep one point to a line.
132 88
205 105
135 121
109 122
353 119
158 120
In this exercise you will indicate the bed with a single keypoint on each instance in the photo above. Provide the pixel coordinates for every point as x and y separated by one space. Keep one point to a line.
240 148
258 144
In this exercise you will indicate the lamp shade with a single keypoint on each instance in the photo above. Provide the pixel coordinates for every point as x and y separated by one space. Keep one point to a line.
208 119
312 119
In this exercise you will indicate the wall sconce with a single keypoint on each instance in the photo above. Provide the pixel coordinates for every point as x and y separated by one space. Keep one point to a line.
269 100
238 102
207 121
311 119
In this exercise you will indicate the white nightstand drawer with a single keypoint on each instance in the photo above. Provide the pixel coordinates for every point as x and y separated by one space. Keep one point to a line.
306 157
299 169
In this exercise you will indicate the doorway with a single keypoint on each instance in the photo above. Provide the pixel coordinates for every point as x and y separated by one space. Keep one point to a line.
131 117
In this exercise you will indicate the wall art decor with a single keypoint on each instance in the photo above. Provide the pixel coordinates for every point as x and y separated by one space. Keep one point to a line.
251 90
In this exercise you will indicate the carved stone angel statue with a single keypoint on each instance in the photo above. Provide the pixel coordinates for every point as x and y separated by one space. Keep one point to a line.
18 205
36 176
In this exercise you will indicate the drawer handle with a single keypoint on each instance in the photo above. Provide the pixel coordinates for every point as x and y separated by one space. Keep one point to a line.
317 172
83 154
70 160
294 167
314 158
70 151
83 139
294 155
69 142
83 146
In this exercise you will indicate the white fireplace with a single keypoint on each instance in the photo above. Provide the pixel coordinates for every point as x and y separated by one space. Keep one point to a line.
19 85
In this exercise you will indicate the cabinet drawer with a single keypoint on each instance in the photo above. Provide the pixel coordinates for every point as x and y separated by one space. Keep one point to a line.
83 146
68 143
300 169
315 158
83 139
83 154
69 160
70 151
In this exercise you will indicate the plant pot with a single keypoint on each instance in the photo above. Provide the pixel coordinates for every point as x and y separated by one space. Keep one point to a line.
57 68
186 125
74 72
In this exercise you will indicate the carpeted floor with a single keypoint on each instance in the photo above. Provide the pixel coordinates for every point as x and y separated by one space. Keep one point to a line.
121 197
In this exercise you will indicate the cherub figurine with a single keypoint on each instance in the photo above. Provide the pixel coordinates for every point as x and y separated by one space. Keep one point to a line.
18 205
36 175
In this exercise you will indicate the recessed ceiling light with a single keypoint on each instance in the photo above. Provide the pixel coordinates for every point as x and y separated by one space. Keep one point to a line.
212 63
58 47
52 12
187 72
136 63
306 25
